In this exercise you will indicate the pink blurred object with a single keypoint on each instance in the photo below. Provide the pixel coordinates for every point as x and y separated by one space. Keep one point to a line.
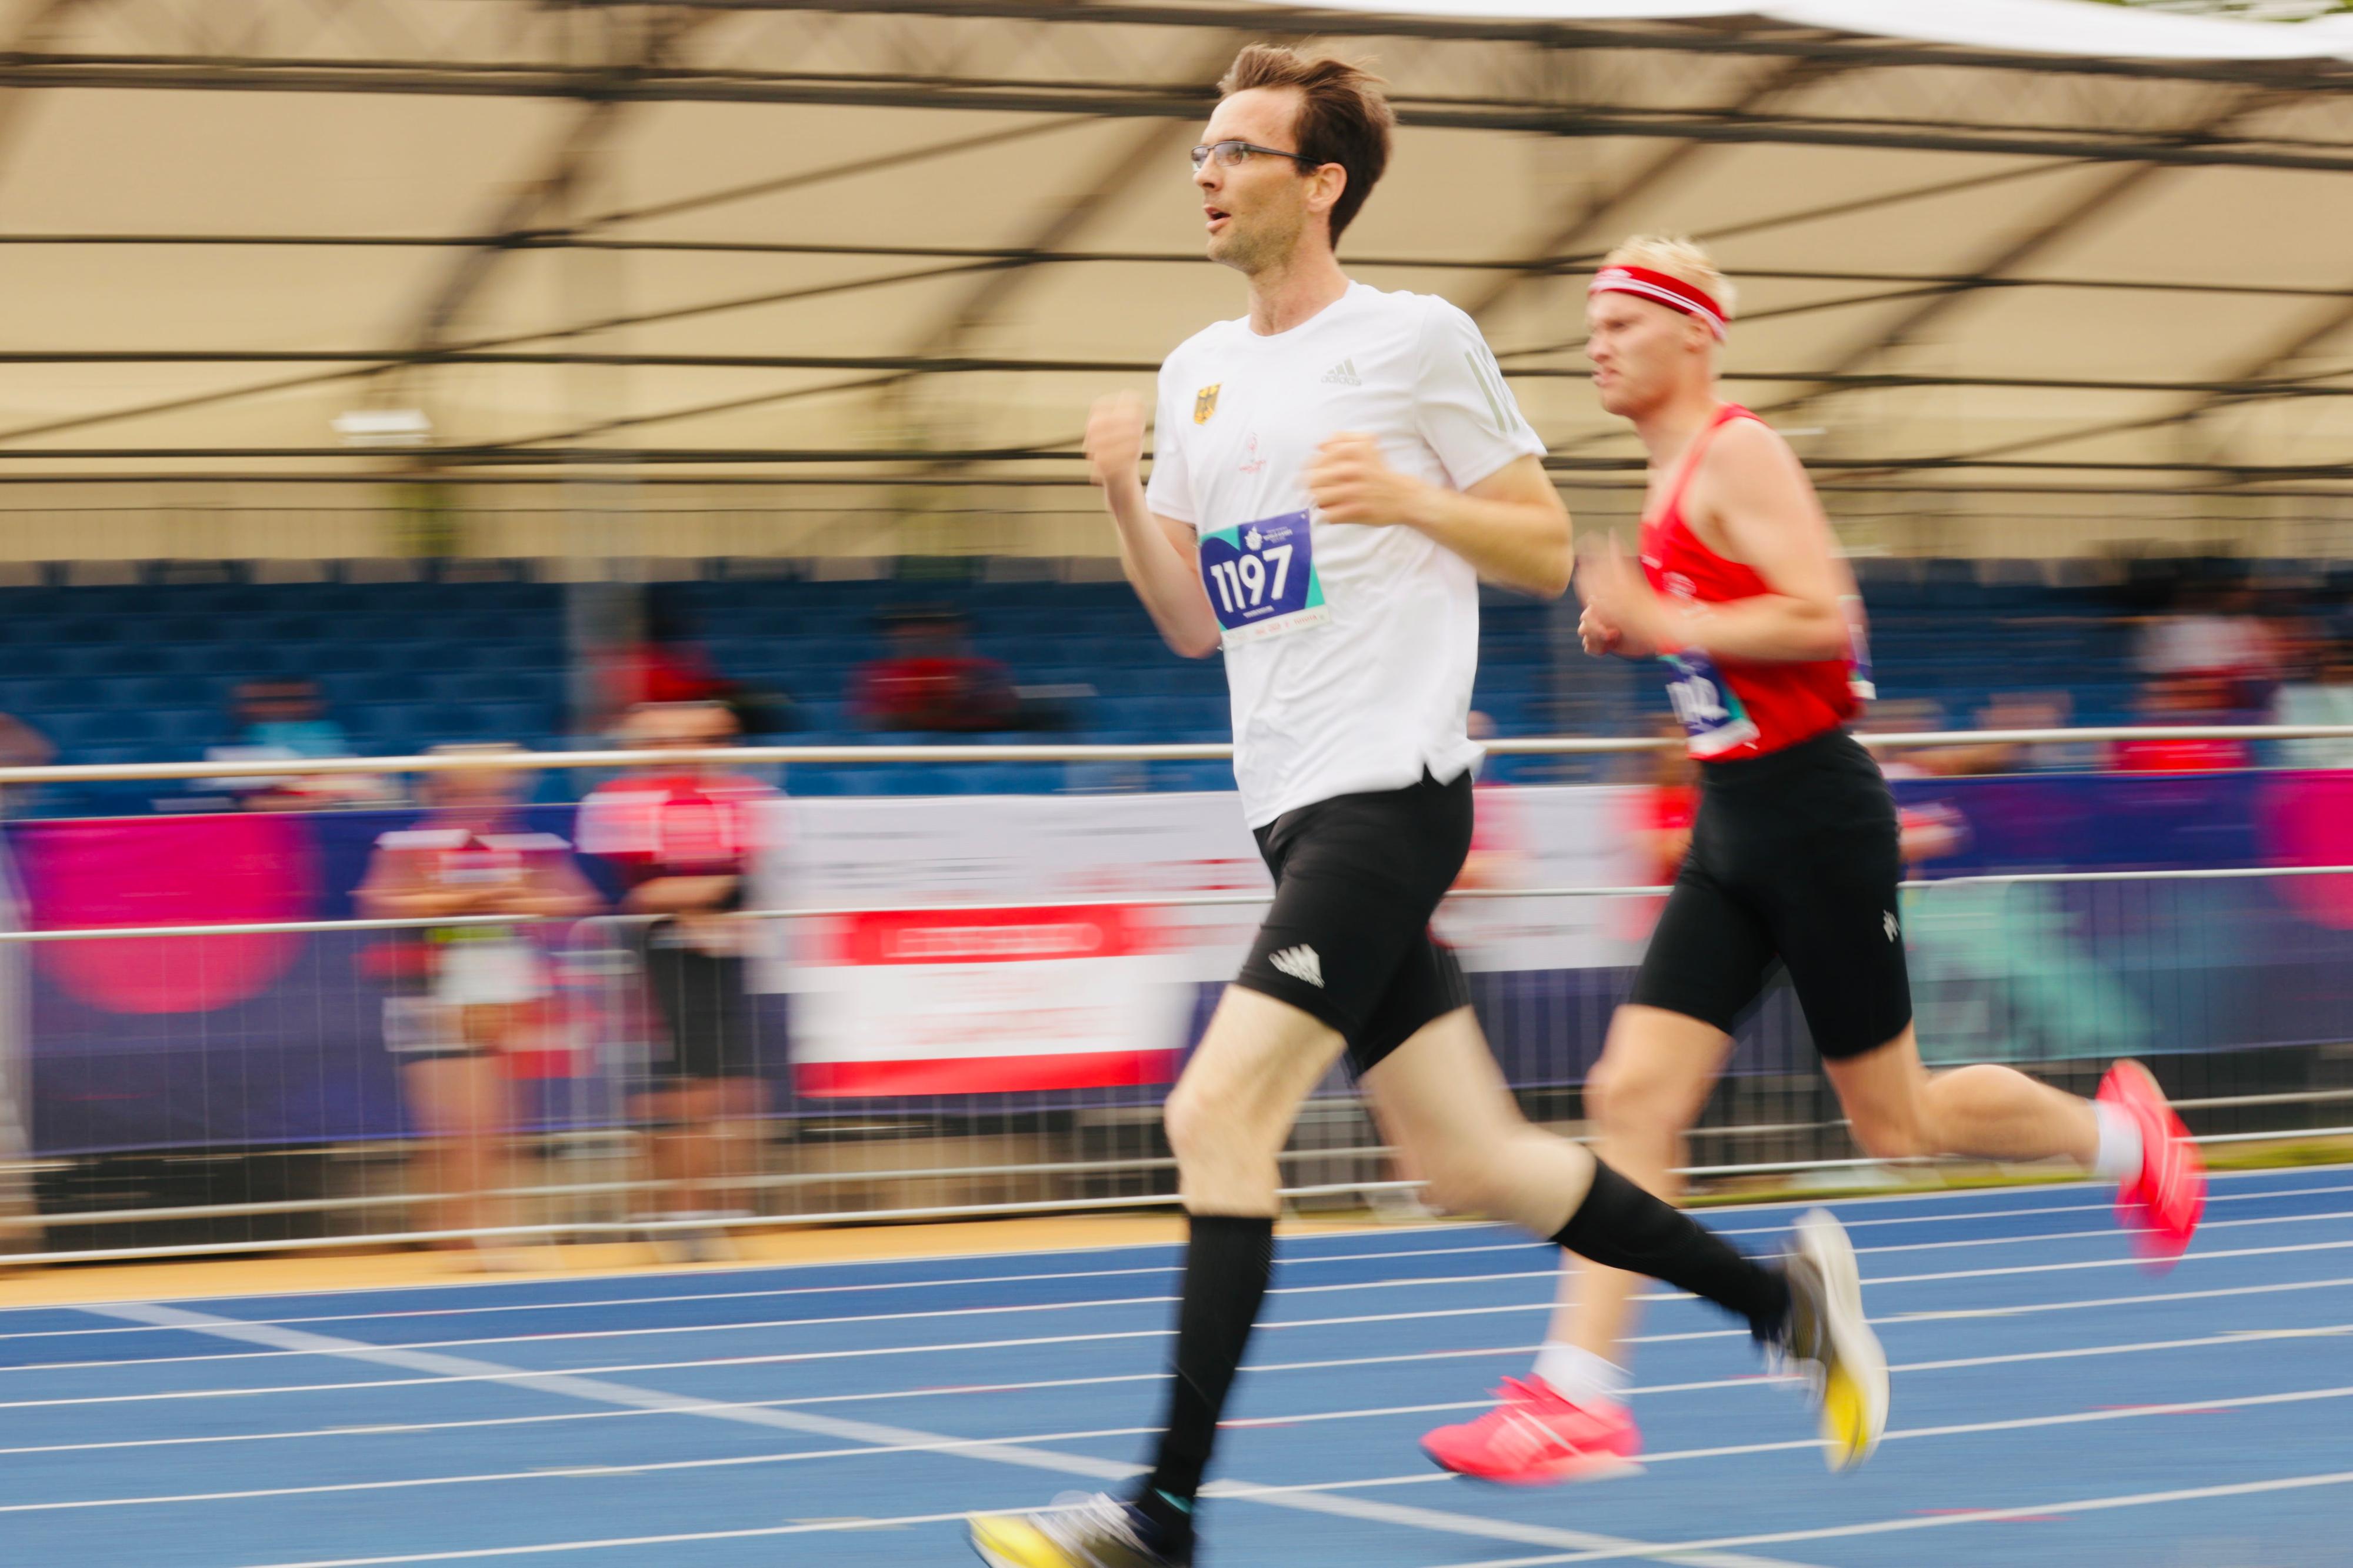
165 871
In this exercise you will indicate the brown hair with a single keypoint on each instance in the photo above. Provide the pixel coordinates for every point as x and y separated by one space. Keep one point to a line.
1344 120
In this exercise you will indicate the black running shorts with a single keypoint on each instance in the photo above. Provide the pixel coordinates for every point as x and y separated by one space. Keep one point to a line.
1795 858
1356 878
705 1009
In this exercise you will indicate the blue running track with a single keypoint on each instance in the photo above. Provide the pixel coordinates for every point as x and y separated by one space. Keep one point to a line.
2053 1406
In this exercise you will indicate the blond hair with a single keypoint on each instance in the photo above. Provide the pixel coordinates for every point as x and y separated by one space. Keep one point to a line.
1679 258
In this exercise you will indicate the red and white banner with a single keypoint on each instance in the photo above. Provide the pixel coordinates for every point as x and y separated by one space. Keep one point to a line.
946 989
990 1001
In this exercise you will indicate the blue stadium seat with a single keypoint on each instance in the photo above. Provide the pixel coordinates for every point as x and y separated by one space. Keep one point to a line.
513 720
191 729
57 696
174 691
35 659
345 657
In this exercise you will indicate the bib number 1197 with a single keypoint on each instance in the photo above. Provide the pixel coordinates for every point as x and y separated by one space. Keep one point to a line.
1242 583
1261 578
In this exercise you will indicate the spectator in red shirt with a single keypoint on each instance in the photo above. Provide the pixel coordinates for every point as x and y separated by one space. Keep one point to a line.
670 663
685 839
932 679
2193 699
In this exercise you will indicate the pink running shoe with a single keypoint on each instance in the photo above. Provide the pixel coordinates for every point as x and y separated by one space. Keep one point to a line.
1534 1438
2159 1207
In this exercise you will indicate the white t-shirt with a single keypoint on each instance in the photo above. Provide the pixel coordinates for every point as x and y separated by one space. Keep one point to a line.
1354 675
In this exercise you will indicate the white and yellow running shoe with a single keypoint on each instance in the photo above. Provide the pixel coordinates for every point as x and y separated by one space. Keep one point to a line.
1831 1339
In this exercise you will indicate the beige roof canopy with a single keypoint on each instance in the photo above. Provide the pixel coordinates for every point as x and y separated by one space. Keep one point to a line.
886 253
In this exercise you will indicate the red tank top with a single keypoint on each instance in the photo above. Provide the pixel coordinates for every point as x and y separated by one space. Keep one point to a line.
1733 707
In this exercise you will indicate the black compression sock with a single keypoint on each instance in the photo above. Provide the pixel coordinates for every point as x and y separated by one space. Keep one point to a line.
1623 1226
1226 1272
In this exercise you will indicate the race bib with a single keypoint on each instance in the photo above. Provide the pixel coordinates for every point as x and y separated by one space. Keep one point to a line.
1705 704
1261 578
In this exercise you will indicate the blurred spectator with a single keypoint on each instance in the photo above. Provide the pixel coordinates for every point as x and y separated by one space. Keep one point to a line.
684 836
1497 835
2214 634
1964 758
2029 710
289 716
21 746
2325 696
1658 822
932 679
475 984
284 720
670 663
2182 698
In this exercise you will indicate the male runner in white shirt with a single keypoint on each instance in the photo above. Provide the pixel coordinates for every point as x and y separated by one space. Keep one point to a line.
1332 476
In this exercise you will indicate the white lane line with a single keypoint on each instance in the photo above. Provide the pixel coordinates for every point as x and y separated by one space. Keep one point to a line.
928 1443
1287 1257
2187 1257
1941 1522
1405 1283
1069 1275
785 1358
600 1391
951 1445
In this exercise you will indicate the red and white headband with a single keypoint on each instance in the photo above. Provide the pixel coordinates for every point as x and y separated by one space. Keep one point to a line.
1668 290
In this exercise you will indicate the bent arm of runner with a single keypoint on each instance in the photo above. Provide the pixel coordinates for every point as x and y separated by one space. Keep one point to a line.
1511 526
1158 554
1753 492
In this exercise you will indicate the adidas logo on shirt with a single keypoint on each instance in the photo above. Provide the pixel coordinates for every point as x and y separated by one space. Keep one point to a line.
1344 374
1300 964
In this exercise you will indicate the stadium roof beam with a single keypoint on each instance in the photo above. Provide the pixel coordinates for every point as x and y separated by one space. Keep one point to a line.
455 456
2085 143
44 26
562 241
1585 219
1036 481
528 208
363 361
2064 224
1713 35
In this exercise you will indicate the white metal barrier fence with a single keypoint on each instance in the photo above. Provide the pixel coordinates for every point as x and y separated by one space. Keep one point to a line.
2028 966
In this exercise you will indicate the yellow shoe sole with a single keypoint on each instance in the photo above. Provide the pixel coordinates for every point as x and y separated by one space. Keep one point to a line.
1008 1540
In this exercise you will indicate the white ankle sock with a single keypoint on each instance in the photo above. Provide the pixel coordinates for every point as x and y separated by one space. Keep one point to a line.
2119 1156
1579 1376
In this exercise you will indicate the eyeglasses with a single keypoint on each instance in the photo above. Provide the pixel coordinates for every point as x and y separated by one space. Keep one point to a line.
1229 154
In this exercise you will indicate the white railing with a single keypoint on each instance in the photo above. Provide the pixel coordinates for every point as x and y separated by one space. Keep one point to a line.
1205 751
593 1203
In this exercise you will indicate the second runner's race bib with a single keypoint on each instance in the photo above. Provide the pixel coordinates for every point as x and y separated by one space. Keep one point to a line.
1705 703
1261 578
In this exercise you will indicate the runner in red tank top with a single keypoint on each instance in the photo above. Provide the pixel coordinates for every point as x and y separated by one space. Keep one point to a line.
1735 707
1794 861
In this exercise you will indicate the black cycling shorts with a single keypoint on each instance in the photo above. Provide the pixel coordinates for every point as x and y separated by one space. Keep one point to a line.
1795 858
1356 878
